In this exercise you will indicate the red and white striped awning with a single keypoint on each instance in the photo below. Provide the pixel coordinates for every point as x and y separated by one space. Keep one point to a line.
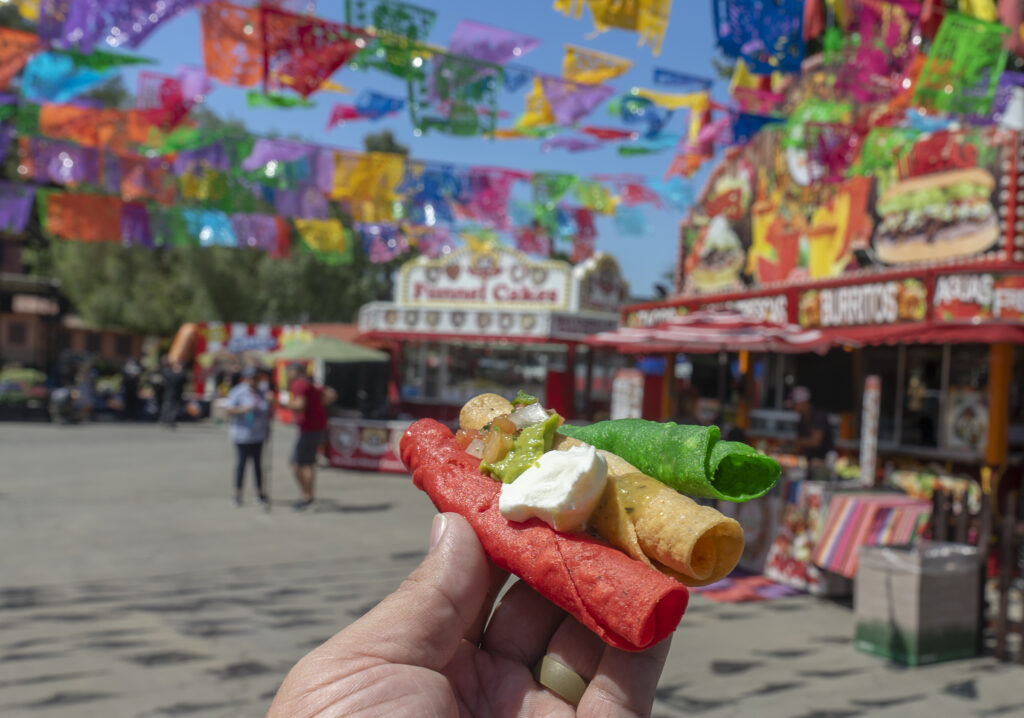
713 331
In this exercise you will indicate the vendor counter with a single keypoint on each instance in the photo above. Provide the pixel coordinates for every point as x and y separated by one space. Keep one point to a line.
365 445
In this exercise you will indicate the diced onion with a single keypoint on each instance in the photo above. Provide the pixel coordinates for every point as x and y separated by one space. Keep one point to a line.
475 448
528 415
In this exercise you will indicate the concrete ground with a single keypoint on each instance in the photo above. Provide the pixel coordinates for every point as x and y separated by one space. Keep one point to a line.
130 586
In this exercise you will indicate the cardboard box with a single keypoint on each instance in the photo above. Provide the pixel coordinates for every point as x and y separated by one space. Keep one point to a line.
917 604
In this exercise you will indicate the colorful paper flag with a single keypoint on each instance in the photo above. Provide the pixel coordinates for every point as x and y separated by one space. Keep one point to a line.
585 239
595 196
871 67
265 232
488 43
305 203
301 52
647 18
532 240
570 102
135 229
147 178
590 67
16 47
233 43
212 228
382 242
570 144
681 80
630 222
267 150
16 200
81 217
769 36
84 24
255 98
327 239
45 160
641 111
53 77
962 70
432 242
697 101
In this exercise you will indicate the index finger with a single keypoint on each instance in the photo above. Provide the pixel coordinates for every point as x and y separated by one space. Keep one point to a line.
624 684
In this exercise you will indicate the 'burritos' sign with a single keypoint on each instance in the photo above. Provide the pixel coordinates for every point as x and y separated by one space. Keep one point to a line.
498 275
863 304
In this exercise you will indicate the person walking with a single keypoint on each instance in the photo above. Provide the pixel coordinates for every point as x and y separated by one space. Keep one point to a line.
174 388
131 373
309 403
249 412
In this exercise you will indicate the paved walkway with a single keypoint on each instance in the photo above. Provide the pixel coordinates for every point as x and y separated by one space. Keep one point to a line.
130 586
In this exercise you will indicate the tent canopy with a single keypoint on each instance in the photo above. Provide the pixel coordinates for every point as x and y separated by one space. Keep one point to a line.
713 331
330 350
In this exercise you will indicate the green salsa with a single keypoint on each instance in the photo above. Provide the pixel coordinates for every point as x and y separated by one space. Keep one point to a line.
532 443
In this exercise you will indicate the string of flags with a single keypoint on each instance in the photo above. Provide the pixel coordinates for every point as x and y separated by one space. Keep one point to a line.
885 68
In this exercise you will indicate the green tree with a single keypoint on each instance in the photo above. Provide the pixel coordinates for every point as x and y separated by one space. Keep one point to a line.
156 291
112 93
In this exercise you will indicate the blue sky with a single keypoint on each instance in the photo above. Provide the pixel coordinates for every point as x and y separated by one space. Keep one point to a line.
688 47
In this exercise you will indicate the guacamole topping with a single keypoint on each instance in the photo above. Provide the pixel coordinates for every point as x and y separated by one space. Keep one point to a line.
532 443
523 399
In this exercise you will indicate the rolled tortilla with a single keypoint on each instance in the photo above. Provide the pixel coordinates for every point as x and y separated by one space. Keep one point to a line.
694 544
690 459
626 603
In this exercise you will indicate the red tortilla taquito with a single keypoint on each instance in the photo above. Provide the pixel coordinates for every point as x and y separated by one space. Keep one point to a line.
626 603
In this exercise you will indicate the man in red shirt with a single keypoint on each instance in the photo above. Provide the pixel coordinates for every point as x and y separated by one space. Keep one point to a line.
308 401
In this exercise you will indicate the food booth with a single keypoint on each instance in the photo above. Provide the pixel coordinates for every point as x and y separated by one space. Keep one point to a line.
492 319
900 241
937 325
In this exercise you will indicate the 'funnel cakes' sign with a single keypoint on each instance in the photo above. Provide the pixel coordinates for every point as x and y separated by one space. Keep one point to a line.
496 276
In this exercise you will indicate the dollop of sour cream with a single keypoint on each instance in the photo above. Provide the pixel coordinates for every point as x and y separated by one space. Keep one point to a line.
561 488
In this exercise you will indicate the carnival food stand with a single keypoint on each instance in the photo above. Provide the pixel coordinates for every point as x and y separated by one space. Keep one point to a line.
938 331
492 319
890 235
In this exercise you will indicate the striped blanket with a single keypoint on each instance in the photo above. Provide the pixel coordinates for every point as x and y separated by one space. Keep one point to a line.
856 520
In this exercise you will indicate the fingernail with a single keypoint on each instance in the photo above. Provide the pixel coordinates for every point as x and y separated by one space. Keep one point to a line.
437 529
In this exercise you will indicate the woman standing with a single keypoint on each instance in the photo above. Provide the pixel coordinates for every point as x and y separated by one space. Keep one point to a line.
249 411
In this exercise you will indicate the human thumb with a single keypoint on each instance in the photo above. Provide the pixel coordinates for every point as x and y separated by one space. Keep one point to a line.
435 607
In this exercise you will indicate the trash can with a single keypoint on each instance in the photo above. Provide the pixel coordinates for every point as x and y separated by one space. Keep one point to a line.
917 604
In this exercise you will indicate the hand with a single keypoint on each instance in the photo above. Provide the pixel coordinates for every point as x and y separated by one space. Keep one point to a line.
423 652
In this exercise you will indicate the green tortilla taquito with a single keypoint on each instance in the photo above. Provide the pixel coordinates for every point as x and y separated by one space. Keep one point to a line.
690 459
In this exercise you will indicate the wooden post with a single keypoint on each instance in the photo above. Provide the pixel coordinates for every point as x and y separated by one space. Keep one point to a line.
743 406
1000 369
668 383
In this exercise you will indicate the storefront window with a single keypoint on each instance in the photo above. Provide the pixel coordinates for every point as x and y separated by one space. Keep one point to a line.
922 396
965 414
453 374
